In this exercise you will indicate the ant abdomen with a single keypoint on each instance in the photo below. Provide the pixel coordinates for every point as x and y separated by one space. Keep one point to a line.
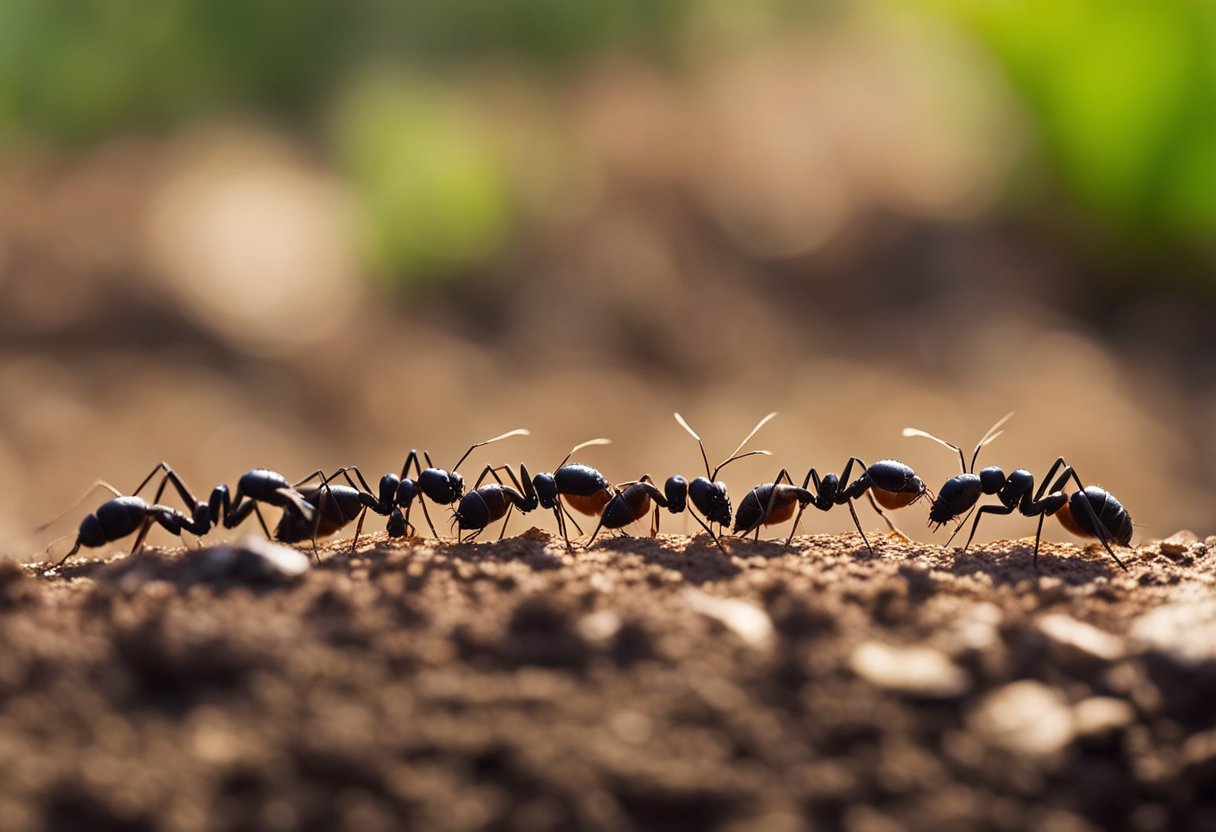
894 484
1116 522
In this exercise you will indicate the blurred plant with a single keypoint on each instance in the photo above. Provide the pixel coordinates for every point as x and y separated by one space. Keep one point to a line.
431 184
1123 94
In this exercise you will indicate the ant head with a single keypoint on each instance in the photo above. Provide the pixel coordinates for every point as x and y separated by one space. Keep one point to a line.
389 484
546 490
676 492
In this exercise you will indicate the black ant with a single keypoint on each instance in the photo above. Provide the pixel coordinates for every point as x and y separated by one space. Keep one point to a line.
1109 521
334 507
339 504
708 495
889 483
487 503
260 486
584 488
444 487
119 517
631 503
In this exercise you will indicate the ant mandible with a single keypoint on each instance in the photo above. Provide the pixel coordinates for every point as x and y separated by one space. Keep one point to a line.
1110 521
119 517
584 488
708 495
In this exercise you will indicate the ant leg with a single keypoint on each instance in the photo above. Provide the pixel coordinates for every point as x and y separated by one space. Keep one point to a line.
561 526
261 520
885 517
160 466
143 533
597 531
573 519
857 523
960 525
354 544
1093 519
801 507
708 530
427 515
503 530
411 459
1038 535
982 510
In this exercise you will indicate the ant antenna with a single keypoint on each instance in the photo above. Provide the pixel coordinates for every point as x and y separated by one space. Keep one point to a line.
700 444
516 432
991 435
581 445
735 453
81 499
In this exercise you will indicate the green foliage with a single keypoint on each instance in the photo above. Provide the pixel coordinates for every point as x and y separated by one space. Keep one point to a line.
432 188
1123 94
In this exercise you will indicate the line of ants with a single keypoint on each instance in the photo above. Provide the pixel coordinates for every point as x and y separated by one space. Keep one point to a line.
321 505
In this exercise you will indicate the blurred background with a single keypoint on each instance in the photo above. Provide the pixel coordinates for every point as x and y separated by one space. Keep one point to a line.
242 233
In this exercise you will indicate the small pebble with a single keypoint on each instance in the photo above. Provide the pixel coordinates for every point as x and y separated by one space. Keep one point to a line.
916 671
1027 718
1078 637
1101 715
745 619
1184 633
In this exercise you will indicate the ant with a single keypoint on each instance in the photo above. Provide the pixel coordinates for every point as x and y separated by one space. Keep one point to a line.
487 503
1109 521
632 503
708 495
260 486
585 489
889 483
334 507
445 487
337 505
119 517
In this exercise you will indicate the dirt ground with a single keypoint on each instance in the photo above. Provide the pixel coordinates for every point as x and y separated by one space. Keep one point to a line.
639 684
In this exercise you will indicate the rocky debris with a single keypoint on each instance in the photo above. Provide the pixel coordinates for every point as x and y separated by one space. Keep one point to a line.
250 559
1100 715
1182 545
1183 633
1076 638
744 619
914 671
1027 718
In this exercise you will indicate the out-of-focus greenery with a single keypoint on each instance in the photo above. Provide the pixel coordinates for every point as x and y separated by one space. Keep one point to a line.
76 71
432 186
1123 95
1120 93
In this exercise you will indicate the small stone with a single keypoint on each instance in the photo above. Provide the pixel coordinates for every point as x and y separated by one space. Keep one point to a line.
1027 718
1101 715
744 619
1177 544
251 559
1077 637
599 627
915 671
1184 633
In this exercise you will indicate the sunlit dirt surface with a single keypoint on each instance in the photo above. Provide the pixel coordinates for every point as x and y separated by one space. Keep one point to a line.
639 684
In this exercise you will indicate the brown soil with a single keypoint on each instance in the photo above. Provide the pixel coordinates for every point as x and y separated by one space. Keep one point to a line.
639 684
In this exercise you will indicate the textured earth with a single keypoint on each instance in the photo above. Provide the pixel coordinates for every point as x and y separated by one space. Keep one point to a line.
639 684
